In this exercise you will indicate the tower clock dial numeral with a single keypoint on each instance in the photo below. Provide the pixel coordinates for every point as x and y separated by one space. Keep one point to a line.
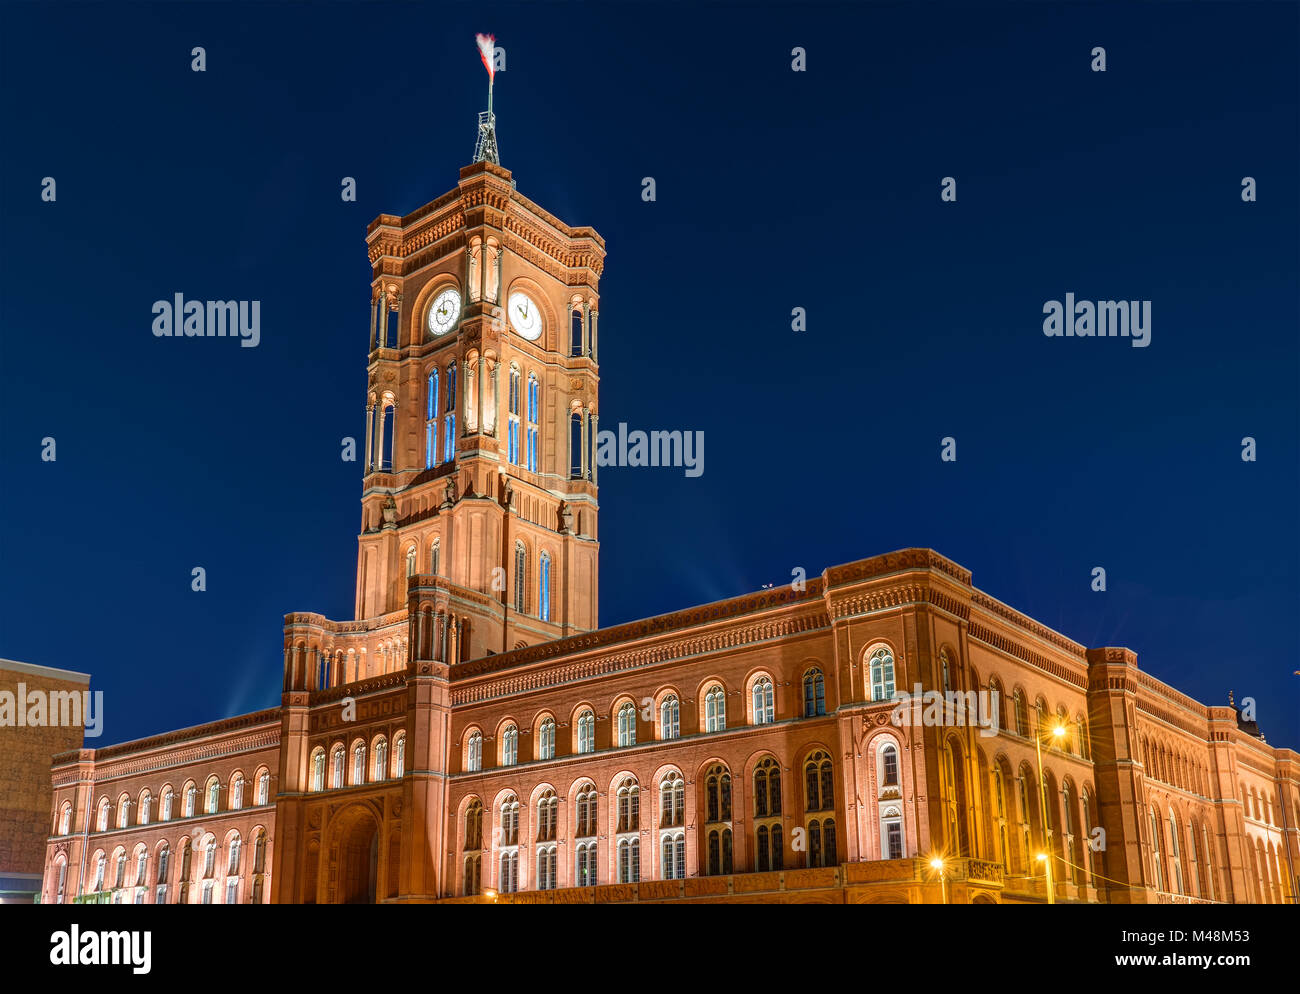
525 317
444 312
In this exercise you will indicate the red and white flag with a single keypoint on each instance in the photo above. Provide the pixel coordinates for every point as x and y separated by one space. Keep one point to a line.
487 49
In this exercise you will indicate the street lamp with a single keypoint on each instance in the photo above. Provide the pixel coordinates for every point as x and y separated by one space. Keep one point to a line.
937 865
1045 857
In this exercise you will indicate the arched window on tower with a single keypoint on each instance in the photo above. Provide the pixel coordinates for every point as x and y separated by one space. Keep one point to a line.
534 403
575 329
359 763
575 445
521 577
513 428
544 587
435 556
318 770
263 788
431 422
882 675
336 767
449 430
410 561
381 760
814 693
399 755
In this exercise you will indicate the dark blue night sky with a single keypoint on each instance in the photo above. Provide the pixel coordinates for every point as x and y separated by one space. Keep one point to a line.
775 190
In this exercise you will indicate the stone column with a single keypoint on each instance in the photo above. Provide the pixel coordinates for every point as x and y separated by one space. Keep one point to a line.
370 437
595 447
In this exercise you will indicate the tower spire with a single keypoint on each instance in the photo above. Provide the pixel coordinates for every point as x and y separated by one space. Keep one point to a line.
485 149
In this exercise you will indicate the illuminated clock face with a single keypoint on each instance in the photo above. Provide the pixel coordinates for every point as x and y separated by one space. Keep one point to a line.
444 312
525 317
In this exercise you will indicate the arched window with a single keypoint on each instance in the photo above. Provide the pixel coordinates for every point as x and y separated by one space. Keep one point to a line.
399 755
123 810
474 826
164 861
768 852
119 873
670 723
101 819
629 806
1021 712
888 766
213 795
544 587
546 739
410 561
237 793
586 813
141 861
435 552
629 860
672 855
449 430
882 675
717 794
359 763
585 870
575 329
101 863
232 858
431 422
1175 853
586 732
336 767
534 403
764 701
1085 803
1157 868
143 812
210 858
1000 818
715 709
318 770
548 809
474 752
510 746
381 760
191 799
509 871
259 853
512 429
719 851
814 694
819 782
672 801
521 576
575 445
822 845
945 671
627 725
168 799
546 867
65 819
510 821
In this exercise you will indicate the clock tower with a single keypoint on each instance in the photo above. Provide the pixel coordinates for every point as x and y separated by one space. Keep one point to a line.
478 505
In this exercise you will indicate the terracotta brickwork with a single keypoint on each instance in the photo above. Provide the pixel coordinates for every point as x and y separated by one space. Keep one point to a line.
474 735
25 755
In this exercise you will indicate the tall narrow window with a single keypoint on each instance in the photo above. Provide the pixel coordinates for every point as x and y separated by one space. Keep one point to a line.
546 739
359 763
587 810
575 329
510 746
336 767
534 402
474 752
410 562
318 770
672 801
629 860
449 431
586 732
399 755
431 422
214 792
715 709
263 788
168 799
670 726
548 808
629 806
381 760
435 556
191 797
627 725
764 707
544 588
513 428
889 766
814 694
232 859
521 576
575 445
882 675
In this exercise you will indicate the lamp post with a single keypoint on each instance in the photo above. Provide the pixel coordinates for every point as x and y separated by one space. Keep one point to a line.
1046 856
937 864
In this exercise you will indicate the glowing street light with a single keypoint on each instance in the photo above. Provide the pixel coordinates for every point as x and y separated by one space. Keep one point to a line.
937 864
